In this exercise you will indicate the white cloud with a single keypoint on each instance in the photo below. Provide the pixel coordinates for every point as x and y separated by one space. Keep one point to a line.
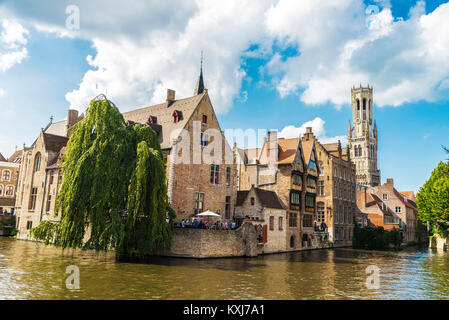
2 92
340 47
143 48
8 60
318 130
13 38
13 34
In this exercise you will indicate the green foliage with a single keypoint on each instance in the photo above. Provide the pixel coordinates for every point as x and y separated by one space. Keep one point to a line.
46 231
113 194
8 224
375 238
433 200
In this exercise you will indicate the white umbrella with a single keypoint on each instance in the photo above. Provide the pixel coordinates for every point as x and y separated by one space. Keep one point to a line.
208 214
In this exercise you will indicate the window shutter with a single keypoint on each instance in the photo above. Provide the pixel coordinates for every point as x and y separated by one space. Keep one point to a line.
265 234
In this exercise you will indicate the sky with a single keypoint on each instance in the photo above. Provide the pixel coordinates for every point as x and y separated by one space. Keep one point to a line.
268 64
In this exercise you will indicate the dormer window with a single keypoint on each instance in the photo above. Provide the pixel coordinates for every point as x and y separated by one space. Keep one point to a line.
312 165
252 201
152 120
177 116
204 120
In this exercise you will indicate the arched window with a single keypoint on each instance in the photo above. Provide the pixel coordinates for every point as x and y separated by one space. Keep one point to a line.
358 104
1 190
9 191
6 175
292 242
37 162
364 104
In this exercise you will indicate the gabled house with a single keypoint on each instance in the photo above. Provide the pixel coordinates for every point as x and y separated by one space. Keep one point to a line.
188 129
40 175
336 190
267 213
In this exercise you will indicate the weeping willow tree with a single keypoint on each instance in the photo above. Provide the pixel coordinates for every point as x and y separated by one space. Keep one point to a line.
113 194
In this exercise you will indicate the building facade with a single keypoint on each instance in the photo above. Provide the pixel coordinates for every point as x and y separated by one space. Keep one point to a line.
9 177
201 169
336 192
200 165
266 212
402 209
362 137
40 176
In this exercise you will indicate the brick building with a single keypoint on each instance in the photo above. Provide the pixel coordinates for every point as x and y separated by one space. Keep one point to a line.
389 208
185 128
264 210
189 129
9 175
336 191
40 175
377 212
287 167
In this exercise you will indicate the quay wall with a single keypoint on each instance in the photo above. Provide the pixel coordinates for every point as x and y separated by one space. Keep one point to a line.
205 243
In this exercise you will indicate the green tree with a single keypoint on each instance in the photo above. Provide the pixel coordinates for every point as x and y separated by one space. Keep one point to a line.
114 194
433 199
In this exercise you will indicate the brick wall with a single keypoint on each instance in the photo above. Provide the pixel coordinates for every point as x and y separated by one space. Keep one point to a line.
204 243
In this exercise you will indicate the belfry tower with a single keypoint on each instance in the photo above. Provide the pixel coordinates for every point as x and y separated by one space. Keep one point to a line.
362 137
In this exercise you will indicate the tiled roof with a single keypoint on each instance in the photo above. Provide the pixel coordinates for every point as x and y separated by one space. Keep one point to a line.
252 154
16 157
57 128
377 202
269 199
287 150
53 145
331 146
164 116
403 199
307 146
2 158
408 194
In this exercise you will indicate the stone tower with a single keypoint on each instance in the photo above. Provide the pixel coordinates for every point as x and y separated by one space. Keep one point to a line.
362 137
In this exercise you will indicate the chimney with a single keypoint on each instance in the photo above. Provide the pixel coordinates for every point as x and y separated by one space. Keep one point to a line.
170 97
272 151
308 133
390 182
363 198
72 119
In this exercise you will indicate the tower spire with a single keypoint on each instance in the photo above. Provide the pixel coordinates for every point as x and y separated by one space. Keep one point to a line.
199 88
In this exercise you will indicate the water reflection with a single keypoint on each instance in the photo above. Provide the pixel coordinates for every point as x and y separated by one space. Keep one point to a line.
33 271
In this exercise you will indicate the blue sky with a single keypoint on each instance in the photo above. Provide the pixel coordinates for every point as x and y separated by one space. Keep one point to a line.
282 64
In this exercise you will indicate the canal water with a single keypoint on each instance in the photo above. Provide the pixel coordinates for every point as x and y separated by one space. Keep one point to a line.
31 270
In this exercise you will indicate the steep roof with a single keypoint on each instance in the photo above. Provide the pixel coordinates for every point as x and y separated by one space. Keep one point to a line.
164 116
53 145
57 128
287 150
269 199
16 157
404 199
408 194
307 146
2 158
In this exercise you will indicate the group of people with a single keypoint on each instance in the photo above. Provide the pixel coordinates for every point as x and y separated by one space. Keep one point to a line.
200 224
6 213
322 227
